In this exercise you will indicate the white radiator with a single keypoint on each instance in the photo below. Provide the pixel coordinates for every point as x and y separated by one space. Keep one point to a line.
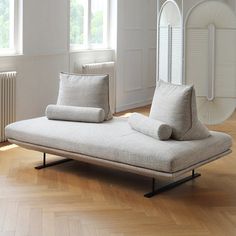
7 101
107 68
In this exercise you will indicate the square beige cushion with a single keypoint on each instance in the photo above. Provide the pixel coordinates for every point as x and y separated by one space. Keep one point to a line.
85 91
176 106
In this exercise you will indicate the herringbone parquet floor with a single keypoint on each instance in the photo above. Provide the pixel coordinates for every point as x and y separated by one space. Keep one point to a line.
83 200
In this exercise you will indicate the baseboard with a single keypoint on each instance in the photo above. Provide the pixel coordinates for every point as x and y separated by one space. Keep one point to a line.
133 105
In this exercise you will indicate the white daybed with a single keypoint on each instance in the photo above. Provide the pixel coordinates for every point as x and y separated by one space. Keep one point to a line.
114 144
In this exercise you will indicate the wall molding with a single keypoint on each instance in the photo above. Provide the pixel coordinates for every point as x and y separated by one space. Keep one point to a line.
133 105
134 88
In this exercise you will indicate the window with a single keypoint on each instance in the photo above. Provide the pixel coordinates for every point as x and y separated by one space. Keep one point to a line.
8 16
89 24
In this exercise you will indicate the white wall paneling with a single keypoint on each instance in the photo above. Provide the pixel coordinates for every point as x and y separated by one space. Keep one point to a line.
133 70
232 4
132 10
136 46
151 80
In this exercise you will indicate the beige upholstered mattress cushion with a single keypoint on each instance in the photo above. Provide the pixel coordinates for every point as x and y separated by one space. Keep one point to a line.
114 140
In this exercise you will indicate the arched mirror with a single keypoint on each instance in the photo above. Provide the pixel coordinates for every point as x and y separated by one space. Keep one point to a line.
170 43
210 59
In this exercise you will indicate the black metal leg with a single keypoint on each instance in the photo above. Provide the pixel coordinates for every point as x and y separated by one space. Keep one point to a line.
153 184
171 185
53 163
44 159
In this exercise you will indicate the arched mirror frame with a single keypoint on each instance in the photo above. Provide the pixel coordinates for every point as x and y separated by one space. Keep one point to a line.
169 55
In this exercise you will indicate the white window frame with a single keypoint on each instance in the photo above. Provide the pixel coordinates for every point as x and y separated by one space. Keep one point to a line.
14 32
87 30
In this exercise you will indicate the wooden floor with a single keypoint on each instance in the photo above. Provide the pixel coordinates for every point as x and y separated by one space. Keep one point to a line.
80 199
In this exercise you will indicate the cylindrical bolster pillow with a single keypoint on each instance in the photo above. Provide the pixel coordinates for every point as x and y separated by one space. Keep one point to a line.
73 113
150 127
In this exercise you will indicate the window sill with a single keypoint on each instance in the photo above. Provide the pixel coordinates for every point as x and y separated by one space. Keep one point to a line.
11 55
90 50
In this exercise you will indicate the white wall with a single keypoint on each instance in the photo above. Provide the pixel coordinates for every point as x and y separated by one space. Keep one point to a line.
136 52
37 81
232 3
133 36
45 53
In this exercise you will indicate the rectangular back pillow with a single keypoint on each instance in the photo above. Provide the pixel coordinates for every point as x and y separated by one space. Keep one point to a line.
85 91
176 106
